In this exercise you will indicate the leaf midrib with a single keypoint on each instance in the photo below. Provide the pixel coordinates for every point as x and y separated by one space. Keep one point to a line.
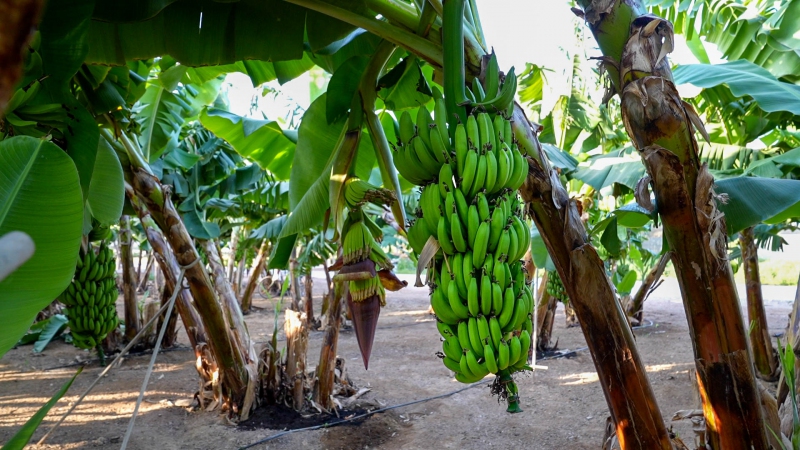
6 207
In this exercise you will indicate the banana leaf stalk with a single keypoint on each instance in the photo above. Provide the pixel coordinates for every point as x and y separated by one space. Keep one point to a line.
792 337
661 125
651 281
764 354
258 267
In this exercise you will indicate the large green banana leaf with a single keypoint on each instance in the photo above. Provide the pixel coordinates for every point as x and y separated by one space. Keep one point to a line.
263 141
605 170
752 200
107 188
762 32
744 79
40 195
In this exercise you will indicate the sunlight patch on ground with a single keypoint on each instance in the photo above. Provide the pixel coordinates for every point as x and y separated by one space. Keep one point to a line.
663 367
418 312
576 379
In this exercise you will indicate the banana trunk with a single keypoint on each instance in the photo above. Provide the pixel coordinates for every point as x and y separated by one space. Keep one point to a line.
661 125
764 355
128 279
229 356
636 306
326 369
622 374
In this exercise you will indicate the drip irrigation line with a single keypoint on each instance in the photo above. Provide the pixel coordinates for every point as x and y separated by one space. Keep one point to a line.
361 416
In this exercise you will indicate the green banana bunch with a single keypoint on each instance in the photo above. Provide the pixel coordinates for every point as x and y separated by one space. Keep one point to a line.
91 296
468 203
555 287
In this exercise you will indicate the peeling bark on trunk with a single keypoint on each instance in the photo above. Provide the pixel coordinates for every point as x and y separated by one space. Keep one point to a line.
326 369
128 276
326 298
661 127
239 278
308 301
234 376
293 280
232 259
621 372
571 317
17 21
233 315
635 308
296 329
255 275
764 355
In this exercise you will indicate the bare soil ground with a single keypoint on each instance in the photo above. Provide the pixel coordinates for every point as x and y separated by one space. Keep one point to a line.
563 406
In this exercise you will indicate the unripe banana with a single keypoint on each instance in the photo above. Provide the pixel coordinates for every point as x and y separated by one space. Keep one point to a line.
452 364
459 309
470 172
495 331
483 206
473 302
513 244
443 235
486 295
426 157
497 299
457 233
491 172
483 329
446 180
446 330
439 147
441 307
407 128
477 369
491 361
440 119
475 337
497 223
503 356
480 176
508 309
515 350
452 348
480 245
424 123
463 336
473 222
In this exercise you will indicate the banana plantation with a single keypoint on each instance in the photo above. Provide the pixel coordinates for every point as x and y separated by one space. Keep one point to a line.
350 224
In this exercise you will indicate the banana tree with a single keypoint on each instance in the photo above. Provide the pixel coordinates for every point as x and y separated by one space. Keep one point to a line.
661 127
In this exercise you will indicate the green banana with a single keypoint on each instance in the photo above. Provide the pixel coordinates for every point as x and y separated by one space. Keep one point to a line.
503 356
473 303
407 128
483 206
495 331
480 245
470 173
474 337
480 176
457 233
507 311
452 364
486 295
463 336
477 369
515 350
459 309
473 222
443 235
441 307
491 361
461 147
446 180
452 348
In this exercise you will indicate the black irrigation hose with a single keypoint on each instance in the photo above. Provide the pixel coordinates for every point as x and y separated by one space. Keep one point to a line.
361 416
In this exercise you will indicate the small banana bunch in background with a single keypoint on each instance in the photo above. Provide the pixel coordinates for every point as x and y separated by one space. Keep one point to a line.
91 297
555 287
468 204
365 267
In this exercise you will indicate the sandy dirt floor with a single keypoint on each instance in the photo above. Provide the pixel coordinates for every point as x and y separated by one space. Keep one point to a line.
563 407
